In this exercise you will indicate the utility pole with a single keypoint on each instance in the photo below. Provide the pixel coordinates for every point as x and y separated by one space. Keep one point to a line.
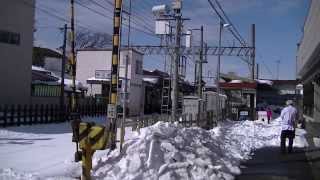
73 61
258 73
253 53
112 106
253 61
200 65
200 76
218 71
63 64
126 81
175 85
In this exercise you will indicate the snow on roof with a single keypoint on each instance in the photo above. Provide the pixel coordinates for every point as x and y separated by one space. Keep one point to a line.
150 80
68 84
236 81
37 68
97 79
299 85
262 81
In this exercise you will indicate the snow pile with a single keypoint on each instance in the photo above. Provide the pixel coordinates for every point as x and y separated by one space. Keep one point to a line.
161 151
169 151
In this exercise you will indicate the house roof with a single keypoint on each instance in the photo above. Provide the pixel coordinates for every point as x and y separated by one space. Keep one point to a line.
230 77
45 52
155 73
240 85
43 76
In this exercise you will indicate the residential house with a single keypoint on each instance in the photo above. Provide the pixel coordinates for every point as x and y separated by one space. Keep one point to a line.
16 43
93 71
46 87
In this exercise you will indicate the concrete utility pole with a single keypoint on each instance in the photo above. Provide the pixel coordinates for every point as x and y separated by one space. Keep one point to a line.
126 81
113 98
200 65
218 71
63 64
253 54
73 61
258 73
175 85
200 76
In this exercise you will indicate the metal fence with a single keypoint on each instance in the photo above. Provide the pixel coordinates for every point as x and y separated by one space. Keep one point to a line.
16 115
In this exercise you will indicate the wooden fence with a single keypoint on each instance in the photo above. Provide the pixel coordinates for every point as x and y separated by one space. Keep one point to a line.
16 115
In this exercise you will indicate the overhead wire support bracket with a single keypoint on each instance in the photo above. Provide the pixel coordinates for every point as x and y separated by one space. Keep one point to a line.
211 51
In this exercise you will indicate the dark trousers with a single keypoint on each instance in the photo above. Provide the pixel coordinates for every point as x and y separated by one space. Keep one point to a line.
284 135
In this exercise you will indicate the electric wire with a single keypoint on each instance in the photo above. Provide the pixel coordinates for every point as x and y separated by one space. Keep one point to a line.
229 21
224 21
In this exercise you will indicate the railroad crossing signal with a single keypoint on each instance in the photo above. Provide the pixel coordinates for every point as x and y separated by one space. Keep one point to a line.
90 137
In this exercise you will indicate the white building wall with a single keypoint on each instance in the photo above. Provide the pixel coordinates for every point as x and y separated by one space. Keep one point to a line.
16 60
88 61
310 43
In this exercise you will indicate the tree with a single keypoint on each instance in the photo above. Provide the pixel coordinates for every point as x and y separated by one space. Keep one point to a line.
88 39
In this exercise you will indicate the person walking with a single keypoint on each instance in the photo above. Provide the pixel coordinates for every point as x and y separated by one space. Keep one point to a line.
288 123
269 114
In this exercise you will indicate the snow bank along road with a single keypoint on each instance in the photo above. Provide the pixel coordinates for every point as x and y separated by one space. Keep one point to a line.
161 151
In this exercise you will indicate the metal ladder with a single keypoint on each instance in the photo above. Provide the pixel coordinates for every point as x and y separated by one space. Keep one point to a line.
166 98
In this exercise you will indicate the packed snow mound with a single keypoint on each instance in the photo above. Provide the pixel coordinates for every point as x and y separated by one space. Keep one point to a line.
161 151
169 151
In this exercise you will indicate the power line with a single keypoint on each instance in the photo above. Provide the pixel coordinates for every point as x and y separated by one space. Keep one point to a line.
49 13
103 15
229 21
224 21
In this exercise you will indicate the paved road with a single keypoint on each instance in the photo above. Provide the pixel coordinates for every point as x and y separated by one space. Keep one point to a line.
269 164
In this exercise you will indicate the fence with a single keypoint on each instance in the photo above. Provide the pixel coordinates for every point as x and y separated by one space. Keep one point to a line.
207 120
16 115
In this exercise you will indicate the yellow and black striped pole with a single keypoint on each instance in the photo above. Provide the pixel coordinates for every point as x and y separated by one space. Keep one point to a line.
114 72
73 60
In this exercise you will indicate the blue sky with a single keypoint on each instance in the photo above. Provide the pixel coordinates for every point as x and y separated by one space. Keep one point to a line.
279 26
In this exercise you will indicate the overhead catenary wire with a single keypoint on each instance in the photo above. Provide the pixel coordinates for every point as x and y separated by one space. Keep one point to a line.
147 31
229 21
226 21
137 14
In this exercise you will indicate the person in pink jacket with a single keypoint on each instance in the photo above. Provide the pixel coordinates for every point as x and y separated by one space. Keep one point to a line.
269 114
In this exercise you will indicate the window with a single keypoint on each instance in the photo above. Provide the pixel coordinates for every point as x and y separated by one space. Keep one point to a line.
9 37
138 67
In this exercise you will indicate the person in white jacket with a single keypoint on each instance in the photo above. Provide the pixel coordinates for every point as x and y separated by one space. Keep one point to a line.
288 125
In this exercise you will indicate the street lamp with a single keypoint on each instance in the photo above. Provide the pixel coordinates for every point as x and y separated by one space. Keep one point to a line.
221 26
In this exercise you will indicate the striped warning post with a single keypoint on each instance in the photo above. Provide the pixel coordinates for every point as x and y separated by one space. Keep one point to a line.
114 67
